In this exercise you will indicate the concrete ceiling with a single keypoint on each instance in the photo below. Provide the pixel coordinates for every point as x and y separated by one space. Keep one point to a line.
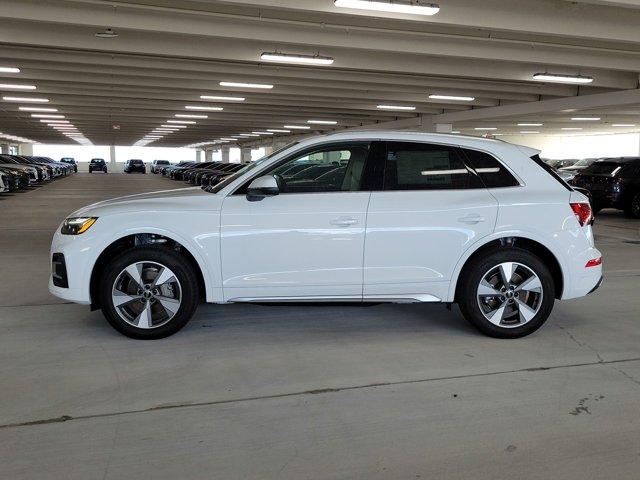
170 52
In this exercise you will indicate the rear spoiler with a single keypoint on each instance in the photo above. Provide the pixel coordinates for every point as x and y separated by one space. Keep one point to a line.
528 151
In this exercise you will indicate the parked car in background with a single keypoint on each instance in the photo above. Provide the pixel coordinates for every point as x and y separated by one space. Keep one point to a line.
613 183
32 172
18 179
398 217
97 165
134 165
166 171
70 161
558 164
579 165
156 165
4 182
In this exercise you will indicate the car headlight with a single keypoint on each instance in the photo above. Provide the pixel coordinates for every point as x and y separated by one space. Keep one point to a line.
77 225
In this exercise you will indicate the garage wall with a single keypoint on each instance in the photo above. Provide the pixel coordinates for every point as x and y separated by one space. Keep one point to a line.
580 146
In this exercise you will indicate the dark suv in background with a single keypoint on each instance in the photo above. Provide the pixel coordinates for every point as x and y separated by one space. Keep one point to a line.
613 183
97 165
134 165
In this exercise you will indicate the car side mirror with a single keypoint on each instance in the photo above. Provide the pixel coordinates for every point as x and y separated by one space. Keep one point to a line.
261 187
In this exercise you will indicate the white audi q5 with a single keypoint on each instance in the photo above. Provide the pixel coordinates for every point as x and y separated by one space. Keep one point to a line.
351 217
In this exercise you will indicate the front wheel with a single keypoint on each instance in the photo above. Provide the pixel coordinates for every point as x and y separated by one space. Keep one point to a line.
149 293
508 293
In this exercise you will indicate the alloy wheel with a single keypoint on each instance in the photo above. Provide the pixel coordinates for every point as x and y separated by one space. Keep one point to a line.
510 295
146 294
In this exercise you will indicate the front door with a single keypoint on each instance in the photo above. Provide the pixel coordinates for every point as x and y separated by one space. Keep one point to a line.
305 243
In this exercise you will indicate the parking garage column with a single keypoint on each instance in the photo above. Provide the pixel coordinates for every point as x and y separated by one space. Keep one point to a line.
25 149
225 154
245 155
208 155
4 148
112 158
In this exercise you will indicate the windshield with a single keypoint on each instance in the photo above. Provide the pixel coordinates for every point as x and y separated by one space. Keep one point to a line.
603 168
231 178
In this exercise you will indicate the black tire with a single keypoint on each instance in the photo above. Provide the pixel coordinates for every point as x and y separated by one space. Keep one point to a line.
632 207
474 272
183 271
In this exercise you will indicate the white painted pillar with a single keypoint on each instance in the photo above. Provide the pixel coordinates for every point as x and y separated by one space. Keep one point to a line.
198 155
444 127
245 155
25 149
4 148
224 152
208 155
112 159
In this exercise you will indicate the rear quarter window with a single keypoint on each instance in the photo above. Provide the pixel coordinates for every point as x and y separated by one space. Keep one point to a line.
490 170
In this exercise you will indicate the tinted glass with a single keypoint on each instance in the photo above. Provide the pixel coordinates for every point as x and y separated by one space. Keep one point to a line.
332 169
421 166
602 168
492 173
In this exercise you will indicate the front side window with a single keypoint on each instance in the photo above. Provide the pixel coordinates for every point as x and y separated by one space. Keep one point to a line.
422 166
492 173
337 168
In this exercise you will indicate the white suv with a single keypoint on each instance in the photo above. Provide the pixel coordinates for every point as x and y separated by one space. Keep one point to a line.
353 217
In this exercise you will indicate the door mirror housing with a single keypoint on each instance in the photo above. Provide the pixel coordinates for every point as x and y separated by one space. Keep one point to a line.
265 186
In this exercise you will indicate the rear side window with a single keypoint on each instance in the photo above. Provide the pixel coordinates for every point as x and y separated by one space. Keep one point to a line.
550 171
422 166
492 173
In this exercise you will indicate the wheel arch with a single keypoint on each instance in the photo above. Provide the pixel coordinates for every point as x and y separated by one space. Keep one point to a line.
126 242
517 241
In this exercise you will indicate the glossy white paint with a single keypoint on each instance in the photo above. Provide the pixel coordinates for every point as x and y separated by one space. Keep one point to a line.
384 246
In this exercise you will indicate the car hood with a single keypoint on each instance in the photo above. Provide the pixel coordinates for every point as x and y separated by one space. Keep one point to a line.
183 199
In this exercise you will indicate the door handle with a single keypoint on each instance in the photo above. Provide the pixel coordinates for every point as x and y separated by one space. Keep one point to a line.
472 219
343 221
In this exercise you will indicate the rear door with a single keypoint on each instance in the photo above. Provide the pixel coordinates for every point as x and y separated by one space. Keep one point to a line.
432 207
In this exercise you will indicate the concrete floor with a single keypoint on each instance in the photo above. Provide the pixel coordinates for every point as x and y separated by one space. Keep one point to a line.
252 392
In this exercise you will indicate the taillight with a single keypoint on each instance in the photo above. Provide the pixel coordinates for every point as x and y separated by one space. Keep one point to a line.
583 213
594 263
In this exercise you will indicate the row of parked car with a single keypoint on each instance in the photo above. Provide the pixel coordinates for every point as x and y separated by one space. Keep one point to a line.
612 182
197 173
19 171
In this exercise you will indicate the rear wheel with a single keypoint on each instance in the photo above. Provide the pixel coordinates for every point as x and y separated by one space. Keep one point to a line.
632 209
508 293
149 293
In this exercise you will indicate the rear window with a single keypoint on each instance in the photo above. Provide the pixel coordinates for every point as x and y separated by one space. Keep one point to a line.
602 168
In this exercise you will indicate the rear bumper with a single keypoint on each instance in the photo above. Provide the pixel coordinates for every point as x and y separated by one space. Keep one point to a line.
597 285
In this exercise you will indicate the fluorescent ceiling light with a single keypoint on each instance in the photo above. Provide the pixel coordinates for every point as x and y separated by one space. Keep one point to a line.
246 85
571 128
585 119
297 127
530 124
455 131
164 130
485 129
184 123
452 97
45 115
295 58
229 139
26 99
278 130
528 132
416 7
222 98
9 70
395 107
183 115
50 122
263 133
37 109
322 122
208 109
560 78
623 125
11 86
175 127
248 135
